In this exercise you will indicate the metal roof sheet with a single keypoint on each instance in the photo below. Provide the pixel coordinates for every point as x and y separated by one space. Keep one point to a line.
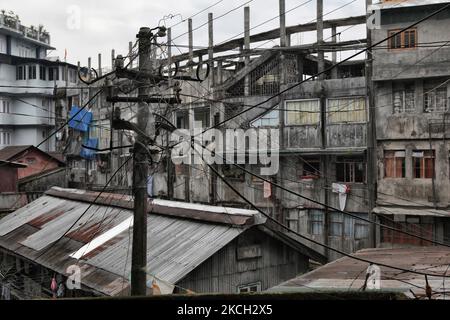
180 236
176 245
349 274
404 3
411 211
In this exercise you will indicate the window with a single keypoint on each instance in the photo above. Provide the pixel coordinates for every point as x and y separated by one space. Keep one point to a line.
32 72
311 168
361 230
5 138
404 99
336 224
351 170
404 40
303 112
42 73
5 106
72 76
271 119
182 120
249 288
315 225
394 164
202 116
345 110
63 74
53 74
435 98
423 164
21 73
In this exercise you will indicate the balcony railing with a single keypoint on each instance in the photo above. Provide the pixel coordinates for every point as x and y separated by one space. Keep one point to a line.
13 24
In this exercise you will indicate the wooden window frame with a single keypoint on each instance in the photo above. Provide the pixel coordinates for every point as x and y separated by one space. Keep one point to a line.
423 164
392 154
402 39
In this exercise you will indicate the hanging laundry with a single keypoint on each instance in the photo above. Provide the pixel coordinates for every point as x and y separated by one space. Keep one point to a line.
267 190
343 191
81 119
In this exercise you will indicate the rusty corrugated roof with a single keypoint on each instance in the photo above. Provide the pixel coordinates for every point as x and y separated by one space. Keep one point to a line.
349 274
181 236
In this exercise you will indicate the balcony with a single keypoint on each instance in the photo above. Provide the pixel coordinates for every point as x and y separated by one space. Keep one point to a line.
11 23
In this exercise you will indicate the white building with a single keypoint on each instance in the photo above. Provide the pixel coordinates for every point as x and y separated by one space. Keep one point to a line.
28 108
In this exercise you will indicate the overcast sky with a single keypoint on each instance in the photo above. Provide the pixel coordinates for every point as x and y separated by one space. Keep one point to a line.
108 24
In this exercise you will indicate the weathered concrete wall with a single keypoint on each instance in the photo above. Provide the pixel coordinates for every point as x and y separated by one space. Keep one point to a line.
419 191
413 63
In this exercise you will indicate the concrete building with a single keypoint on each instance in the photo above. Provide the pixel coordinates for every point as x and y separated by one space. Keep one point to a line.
412 84
28 81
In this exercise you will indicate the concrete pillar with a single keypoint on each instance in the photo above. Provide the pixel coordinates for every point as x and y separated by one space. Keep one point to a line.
113 58
283 39
334 73
191 41
247 47
321 54
211 46
100 73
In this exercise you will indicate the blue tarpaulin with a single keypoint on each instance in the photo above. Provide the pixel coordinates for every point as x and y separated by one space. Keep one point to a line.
87 153
80 121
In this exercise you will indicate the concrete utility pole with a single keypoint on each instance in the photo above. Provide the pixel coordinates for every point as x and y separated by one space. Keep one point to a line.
371 137
140 175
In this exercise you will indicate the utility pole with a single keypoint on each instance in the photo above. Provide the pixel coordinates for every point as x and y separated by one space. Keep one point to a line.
140 175
371 137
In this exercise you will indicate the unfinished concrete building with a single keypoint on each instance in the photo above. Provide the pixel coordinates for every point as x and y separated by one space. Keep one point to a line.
412 83
322 125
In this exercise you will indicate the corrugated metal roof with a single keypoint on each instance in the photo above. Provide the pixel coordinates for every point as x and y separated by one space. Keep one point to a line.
411 211
176 244
404 3
349 274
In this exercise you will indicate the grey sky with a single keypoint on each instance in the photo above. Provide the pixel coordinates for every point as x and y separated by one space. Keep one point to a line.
112 24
